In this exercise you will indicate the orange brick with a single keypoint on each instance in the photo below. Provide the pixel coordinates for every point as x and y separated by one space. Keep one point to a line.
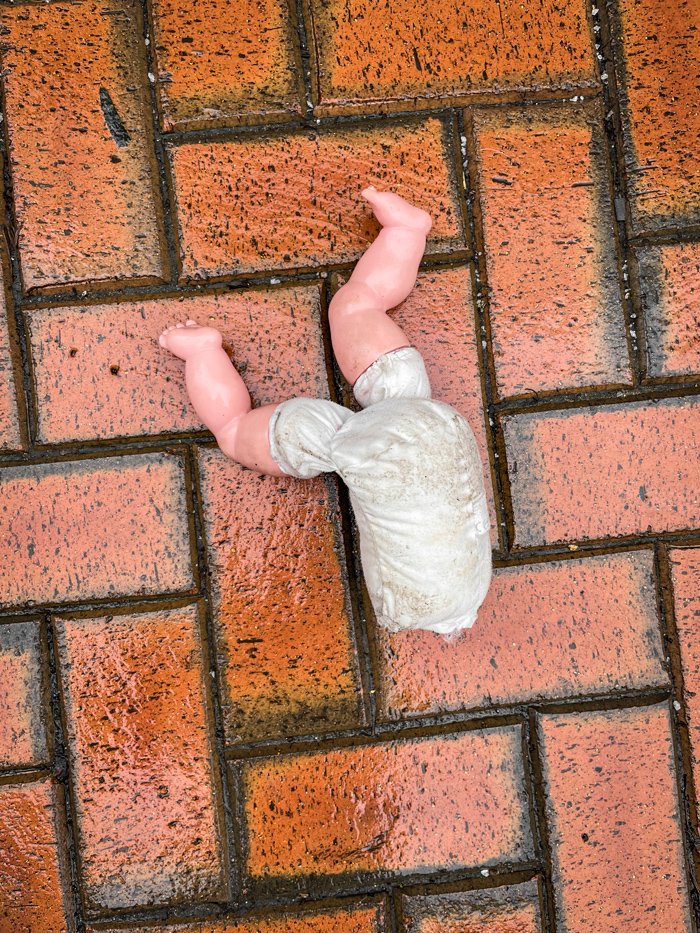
284 636
10 436
219 64
438 318
141 754
556 315
100 373
545 631
22 702
427 804
608 471
356 919
510 909
614 821
658 46
80 152
279 202
685 570
670 280
92 529
34 894
369 52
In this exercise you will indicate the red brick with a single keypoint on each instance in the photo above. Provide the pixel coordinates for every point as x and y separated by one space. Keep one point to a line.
368 52
685 571
10 436
670 280
140 744
84 196
33 879
284 637
22 701
280 202
614 821
509 909
658 44
219 65
545 631
556 315
437 803
355 919
438 318
608 471
90 529
76 350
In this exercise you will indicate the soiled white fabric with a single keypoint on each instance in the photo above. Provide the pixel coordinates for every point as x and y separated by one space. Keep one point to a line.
415 480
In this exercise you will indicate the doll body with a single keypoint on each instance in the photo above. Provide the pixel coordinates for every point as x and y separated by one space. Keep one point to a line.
410 463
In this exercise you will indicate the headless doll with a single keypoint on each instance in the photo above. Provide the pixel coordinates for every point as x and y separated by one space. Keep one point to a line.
410 463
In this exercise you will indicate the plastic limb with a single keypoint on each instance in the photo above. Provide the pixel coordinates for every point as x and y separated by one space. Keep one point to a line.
220 398
384 276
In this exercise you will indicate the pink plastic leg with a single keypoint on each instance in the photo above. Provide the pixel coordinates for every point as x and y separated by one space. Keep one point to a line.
220 398
360 329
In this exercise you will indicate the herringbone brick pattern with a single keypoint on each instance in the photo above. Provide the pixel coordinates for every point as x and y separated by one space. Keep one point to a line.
202 729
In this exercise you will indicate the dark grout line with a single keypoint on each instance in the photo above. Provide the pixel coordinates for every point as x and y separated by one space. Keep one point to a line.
360 884
683 754
496 878
164 208
534 771
432 108
91 608
26 775
212 674
393 913
598 397
444 724
612 123
472 206
669 235
26 400
62 770
71 296
297 12
273 907
520 556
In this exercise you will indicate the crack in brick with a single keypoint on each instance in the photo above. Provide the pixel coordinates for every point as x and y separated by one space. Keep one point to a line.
119 132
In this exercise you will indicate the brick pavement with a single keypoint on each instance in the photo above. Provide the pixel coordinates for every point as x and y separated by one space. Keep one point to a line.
201 727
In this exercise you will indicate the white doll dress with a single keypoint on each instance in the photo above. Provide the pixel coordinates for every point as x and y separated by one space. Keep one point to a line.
416 486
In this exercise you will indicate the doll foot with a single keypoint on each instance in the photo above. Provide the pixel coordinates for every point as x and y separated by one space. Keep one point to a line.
187 340
392 211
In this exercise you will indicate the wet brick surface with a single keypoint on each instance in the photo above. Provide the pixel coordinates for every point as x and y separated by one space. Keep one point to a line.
120 341
23 701
216 68
10 437
618 853
670 288
34 890
400 807
140 746
660 69
202 728
80 151
93 529
605 472
239 209
402 53
556 317
545 631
